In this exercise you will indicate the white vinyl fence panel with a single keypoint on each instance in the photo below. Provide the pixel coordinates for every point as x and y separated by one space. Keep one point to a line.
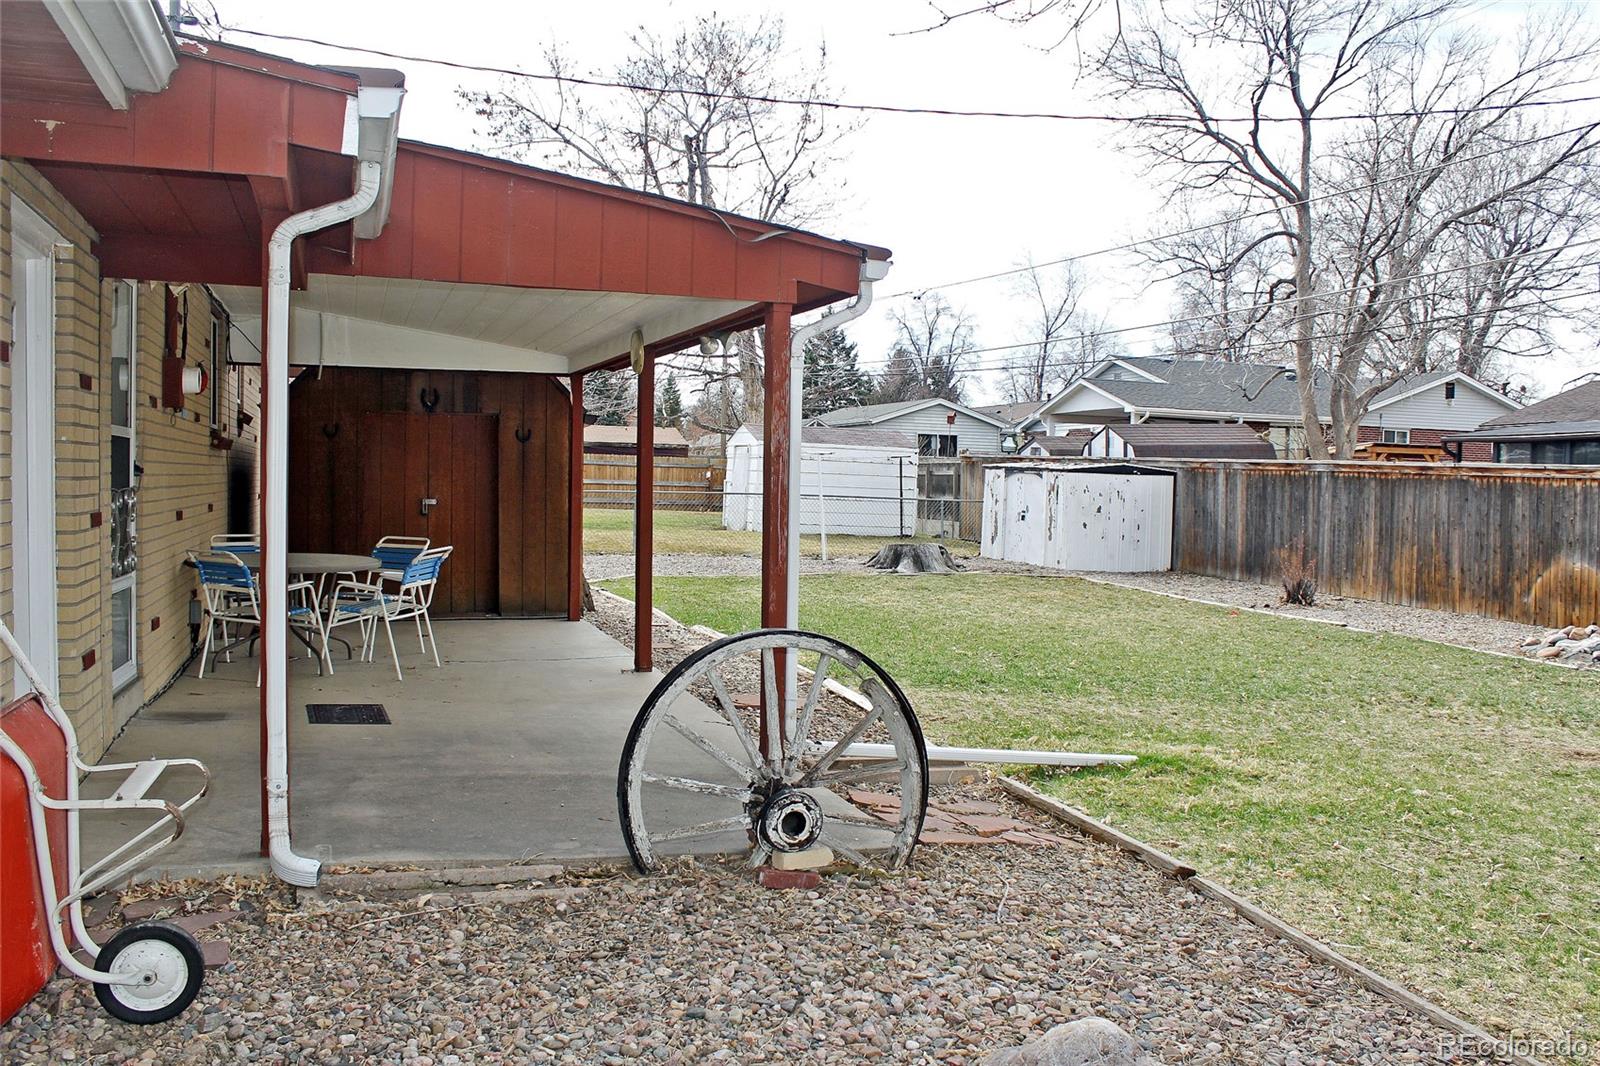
862 491
1078 519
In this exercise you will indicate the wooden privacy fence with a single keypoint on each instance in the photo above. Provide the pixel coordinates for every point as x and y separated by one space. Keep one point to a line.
1514 542
682 484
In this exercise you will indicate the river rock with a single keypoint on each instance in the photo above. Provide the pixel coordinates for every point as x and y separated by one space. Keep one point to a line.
1084 1042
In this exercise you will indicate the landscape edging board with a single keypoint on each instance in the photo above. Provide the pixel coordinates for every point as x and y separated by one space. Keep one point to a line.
1313 947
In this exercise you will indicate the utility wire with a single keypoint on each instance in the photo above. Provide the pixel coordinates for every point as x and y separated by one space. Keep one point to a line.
1129 246
1268 305
893 109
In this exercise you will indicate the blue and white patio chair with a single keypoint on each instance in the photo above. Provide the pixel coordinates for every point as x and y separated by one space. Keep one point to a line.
395 553
366 603
232 597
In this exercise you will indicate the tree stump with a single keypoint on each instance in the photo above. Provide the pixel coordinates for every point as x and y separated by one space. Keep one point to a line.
915 559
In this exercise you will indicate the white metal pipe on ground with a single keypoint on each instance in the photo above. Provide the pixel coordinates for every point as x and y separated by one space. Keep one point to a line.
938 753
291 867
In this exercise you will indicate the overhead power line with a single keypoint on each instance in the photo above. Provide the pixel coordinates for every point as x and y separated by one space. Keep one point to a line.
1129 246
844 105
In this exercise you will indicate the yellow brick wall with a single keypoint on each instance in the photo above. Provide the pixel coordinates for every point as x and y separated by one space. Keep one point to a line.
182 471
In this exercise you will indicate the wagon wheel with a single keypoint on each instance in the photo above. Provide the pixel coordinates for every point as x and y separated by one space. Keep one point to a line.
695 776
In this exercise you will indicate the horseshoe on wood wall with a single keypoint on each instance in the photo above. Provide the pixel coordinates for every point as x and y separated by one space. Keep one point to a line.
427 403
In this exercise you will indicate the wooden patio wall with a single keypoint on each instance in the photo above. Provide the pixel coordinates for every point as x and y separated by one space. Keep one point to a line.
350 483
1510 543
682 483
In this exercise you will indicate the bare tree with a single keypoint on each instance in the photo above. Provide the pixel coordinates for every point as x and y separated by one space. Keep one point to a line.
1230 283
1062 331
699 126
932 339
1354 218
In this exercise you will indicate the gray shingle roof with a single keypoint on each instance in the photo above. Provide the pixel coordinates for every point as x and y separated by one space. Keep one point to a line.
849 437
1011 413
875 412
1579 404
1205 440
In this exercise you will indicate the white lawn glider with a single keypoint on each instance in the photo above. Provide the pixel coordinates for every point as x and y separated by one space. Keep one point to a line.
150 971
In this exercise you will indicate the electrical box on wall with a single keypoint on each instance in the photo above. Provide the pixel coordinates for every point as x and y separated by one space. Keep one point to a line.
172 361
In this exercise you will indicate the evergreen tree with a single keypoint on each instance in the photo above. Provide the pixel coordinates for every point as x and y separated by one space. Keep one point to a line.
833 377
669 404
611 396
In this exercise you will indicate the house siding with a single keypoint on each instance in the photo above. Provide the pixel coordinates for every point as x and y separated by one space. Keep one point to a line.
181 473
1471 451
1429 409
972 434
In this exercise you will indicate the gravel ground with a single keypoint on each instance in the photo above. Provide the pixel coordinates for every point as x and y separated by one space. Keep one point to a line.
969 950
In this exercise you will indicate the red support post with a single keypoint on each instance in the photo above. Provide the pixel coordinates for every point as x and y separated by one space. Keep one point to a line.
575 503
775 503
644 518
775 470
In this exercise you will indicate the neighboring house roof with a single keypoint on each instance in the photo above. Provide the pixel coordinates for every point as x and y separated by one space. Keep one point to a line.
1069 443
1205 440
846 437
1579 404
1253 391
1012 413
666 436
873 413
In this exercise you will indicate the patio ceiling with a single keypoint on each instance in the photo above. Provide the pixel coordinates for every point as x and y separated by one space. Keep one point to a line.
413 324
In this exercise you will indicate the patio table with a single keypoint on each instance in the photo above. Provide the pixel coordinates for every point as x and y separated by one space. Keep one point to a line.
306 564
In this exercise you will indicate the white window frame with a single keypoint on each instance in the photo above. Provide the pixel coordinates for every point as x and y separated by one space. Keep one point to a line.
122 675
33 456
1395 436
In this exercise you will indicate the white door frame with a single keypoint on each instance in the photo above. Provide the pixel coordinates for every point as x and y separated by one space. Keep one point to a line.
33 452
127 333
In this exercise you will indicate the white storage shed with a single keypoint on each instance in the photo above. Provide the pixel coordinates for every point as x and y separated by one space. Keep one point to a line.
1114 518
852 481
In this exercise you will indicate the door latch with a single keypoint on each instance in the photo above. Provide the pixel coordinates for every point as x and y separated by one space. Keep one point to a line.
427 502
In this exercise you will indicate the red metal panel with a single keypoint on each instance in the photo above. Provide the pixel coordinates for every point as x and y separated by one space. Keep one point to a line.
436 204
176 129
756 268
27 958
485 227
800 260
578 225
390 255
841 272
179 259
316 117
715 274
532 234
624 236
575 501
252 123
669 256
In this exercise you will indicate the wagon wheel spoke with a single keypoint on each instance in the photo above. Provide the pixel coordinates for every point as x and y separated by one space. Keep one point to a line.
855 773
707 788
771 710
862 821
838 847
744 770
802 725
730 713
704 829
833 753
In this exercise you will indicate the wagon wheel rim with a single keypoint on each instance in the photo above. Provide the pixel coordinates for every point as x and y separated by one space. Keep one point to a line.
777 798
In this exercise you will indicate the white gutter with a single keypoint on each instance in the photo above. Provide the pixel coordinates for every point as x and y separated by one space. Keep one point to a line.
872 270
124 45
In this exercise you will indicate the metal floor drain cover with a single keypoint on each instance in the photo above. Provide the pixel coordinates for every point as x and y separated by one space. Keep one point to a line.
346 714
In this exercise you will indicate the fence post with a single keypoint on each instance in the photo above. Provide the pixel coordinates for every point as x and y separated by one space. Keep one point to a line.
822 510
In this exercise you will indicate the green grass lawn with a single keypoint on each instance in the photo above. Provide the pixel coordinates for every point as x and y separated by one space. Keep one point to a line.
609 530
1433 811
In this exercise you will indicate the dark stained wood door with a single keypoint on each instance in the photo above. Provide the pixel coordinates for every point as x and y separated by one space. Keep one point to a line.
452 460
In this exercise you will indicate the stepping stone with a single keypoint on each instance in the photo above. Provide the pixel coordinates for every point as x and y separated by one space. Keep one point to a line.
942 837
140 910
990 827
204 920
215 953
868 798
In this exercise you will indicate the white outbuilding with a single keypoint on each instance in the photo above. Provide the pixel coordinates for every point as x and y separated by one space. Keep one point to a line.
852 481
1109 518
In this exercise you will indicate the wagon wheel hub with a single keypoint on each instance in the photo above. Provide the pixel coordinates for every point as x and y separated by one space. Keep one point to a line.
790 821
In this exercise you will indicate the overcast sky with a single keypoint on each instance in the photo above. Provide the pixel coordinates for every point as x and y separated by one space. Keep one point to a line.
953 197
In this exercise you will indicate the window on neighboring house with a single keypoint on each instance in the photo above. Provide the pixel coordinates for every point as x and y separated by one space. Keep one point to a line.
1586 452
124 486
1550 452
1397 436
942 445
1519 451
1449 392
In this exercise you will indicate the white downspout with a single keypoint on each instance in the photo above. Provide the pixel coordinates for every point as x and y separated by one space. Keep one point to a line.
293 868
872 270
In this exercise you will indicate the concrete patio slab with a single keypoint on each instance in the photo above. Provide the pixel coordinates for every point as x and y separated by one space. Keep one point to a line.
508 751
